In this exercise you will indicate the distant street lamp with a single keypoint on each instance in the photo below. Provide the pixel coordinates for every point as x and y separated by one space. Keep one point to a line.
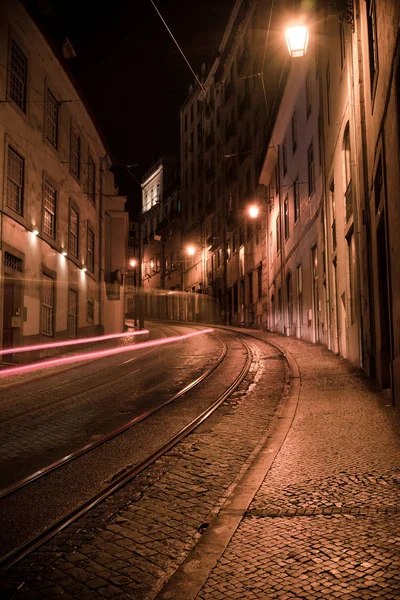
297 40
132 262
254 211
190 250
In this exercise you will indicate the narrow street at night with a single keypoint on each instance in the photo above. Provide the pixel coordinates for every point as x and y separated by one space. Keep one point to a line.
199 300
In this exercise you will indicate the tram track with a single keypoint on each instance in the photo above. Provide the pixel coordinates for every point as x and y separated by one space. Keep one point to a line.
116 483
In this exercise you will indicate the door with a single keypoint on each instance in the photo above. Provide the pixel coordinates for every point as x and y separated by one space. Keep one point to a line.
384 304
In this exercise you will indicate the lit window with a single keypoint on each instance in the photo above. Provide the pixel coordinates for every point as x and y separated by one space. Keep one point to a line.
75 153
18 76
15 180
49 210
73 233
47 305
51 118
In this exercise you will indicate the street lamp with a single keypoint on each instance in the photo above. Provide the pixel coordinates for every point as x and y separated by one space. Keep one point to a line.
254 211
297 40
190 250
132 262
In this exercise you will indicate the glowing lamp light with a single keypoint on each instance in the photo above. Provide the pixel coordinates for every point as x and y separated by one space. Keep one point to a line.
190 250
152 264
132 262
254 211
35 231
64 252
297 40
84 269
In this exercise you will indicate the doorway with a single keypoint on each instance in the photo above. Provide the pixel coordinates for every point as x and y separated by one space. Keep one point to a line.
384 304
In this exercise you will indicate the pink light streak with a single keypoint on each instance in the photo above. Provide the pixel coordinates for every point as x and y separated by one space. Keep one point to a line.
97 338
56 362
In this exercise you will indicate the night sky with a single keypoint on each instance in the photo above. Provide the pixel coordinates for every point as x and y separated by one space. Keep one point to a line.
131 72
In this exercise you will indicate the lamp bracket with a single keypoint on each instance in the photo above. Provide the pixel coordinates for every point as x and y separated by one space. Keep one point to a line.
343 10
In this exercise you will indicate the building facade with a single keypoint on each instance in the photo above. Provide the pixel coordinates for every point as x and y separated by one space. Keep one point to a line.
56 178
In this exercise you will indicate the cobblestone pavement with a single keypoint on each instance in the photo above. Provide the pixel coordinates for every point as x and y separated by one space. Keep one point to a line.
132 543
325 523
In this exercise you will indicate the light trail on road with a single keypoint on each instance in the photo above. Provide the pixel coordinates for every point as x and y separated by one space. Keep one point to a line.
47 364
97 338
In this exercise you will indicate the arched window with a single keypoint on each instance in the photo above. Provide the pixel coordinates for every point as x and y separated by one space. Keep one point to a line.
347 172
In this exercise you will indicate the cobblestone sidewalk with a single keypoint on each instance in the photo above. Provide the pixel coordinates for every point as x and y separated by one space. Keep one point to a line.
326 521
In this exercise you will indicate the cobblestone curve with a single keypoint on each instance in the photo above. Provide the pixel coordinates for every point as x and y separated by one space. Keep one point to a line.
325 522
128 546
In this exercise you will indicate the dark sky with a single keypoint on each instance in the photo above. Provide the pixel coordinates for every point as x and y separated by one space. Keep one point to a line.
131 72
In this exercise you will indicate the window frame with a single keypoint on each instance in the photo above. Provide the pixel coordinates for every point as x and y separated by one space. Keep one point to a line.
20 185
21 103
53 235
74 134
91 193
90 255
311 171
71 254
47 308
48 120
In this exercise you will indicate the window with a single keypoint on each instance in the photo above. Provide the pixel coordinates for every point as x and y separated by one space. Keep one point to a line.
15 180
296 200
91 190
90 250
284 161
18 76
259 281
278 233
372 42
12 262
308 94
286 211
277 181
294 132
333 212
352 275
347 172
49 210
328 93
72 313
90 311
47 305
250 283
299 278
310 167
73 233
75 153
51 119
342 44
